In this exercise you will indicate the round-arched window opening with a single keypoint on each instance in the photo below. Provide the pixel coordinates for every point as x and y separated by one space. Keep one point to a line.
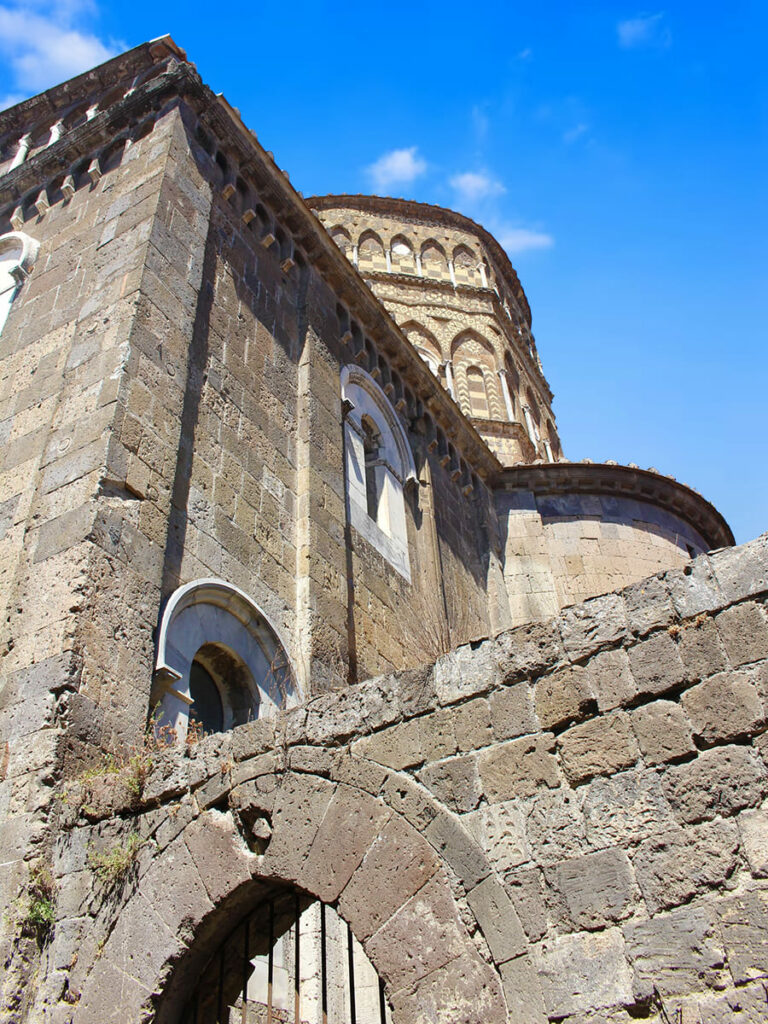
219 663
206 711
223 691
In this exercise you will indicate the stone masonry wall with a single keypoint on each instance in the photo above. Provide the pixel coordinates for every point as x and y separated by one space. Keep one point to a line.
567 822
563 549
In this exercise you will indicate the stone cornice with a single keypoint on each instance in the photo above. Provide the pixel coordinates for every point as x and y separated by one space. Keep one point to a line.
620 482
409 209
20 117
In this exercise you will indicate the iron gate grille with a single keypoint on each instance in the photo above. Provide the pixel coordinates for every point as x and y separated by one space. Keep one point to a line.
292 960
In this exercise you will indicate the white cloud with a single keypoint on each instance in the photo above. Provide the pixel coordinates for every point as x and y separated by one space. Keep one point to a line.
576 132
517 240
645 30
476 185
42 49
399 166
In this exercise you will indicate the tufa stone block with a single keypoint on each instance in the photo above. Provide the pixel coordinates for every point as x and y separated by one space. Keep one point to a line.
744 632
602 746
663 732
718 782
518 767
563 697
725 707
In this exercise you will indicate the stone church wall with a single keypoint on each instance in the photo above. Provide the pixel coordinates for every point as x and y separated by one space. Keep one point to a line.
571 816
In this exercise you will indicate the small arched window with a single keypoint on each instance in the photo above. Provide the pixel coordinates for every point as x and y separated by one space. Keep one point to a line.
379 464
219 661
17 257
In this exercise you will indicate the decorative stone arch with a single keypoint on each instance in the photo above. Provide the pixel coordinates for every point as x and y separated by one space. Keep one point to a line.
466 265
433 258
370 252
341 237
425 344
216 644
379 465
347 844
18 253
402 256
474 355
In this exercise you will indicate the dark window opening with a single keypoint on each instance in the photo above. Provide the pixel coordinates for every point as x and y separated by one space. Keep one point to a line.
371 448
206 709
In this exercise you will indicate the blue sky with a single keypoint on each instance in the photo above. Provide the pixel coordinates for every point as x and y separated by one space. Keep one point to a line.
619 152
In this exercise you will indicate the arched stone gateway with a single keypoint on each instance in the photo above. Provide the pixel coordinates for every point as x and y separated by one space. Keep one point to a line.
432 935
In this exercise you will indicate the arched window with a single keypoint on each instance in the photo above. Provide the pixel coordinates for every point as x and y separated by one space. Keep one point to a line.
17 257
401 255
379 463
478 396
219 660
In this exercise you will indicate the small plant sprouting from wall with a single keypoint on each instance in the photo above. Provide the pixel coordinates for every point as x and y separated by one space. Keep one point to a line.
37 907
120 775
113 866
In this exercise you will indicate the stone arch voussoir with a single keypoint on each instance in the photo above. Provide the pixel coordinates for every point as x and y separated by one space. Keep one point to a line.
368 839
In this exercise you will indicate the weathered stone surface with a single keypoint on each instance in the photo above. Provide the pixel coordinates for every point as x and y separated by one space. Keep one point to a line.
453 782
591 625
518 768
526 889
512 712
466 672
436 734
472 724
498 920
724 707
563 697
468 991
754 840
599 747
656 665
719 781
522 989
744 632
412 801
747 1004
424 935
500 831
648 605
529 650
610 679
685 862
396 747
555 826
663 732
220 855
175 890
694 589
300 804
397 864
678 952
584 972
744 925
255 737
743 570
598 888
351 823
458 849
626 809
700 648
